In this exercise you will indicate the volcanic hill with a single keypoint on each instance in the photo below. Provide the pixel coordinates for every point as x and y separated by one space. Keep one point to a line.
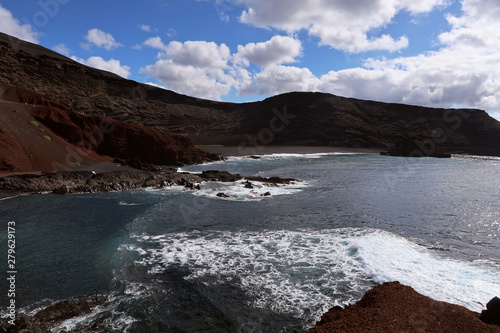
297 118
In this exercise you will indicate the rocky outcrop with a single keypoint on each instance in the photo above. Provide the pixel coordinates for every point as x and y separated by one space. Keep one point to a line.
492 313
394 308
49 318
79 139
290 119
65 182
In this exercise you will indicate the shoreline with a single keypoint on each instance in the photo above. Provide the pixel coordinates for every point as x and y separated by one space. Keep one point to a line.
389 307
76 182
226 151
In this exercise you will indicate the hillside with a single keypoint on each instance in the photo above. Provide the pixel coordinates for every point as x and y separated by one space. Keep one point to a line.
315 119
39 134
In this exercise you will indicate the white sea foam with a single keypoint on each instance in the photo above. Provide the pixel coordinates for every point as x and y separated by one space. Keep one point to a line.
281 270
236 191
277 156
289 271
124 203
386 257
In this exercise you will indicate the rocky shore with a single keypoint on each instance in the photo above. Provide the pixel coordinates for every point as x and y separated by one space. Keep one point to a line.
387 308
65 182
395 308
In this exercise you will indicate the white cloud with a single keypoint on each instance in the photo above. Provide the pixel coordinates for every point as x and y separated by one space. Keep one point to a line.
278 79
191 80
112 65
195 68
62 49
12 26
277 50
198 53
145 27
341 24
155 42
101 39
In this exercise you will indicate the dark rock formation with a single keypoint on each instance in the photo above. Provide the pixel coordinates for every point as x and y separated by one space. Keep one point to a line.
394 308
411 146
49 318
492 313
220 176
65 182
290 119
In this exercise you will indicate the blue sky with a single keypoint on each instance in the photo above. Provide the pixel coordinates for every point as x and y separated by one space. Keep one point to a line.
441 53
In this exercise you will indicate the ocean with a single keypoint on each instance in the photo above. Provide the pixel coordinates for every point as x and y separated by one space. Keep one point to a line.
177 260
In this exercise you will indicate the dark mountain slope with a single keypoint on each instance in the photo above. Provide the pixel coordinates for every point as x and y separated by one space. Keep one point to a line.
288 119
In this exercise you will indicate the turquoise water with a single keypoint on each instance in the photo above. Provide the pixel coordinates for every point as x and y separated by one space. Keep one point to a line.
181 261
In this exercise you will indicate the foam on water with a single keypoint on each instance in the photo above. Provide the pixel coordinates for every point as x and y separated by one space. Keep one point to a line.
236 191
289 271
277 156
386 257
284 271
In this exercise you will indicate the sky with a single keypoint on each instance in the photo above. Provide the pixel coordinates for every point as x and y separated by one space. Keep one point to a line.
438 53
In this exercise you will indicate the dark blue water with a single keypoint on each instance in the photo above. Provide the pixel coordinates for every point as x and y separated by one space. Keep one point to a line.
181 261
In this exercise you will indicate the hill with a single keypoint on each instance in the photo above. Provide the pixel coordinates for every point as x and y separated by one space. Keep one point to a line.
39 134
305 118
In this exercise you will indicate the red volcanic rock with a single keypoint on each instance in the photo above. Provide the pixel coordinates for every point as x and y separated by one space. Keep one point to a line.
392 307
61 139
119 139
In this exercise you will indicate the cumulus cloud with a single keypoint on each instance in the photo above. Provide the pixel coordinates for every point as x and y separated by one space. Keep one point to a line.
196 68
191 80
343 25
112 65
100 39
12 26
277 79
277 50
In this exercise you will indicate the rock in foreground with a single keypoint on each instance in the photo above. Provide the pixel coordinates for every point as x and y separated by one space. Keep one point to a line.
392 307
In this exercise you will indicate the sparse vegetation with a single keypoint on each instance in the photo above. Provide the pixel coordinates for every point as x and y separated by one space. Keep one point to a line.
41 129
47 138
34 123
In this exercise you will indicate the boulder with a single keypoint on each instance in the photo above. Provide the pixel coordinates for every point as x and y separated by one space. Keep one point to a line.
492 313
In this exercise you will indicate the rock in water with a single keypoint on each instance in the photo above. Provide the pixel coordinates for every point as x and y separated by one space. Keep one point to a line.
492 313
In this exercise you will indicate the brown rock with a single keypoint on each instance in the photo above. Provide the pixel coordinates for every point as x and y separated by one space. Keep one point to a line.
395 308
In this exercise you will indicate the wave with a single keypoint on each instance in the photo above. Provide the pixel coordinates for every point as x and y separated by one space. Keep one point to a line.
289 271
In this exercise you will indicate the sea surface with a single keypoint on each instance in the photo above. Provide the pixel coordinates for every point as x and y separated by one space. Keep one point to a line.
176 260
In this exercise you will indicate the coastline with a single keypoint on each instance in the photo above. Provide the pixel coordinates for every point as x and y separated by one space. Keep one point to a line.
111 176
389 307
226 151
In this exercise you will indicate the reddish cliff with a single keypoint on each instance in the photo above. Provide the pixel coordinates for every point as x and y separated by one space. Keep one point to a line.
38 134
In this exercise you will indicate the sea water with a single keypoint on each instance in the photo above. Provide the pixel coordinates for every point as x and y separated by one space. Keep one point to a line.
177 260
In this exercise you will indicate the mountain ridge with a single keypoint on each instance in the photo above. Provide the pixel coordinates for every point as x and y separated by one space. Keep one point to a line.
315 119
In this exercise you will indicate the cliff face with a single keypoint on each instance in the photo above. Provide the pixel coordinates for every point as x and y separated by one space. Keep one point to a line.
39 134
288 119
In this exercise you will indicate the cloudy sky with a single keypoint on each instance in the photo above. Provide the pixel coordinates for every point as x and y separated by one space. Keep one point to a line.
441 53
